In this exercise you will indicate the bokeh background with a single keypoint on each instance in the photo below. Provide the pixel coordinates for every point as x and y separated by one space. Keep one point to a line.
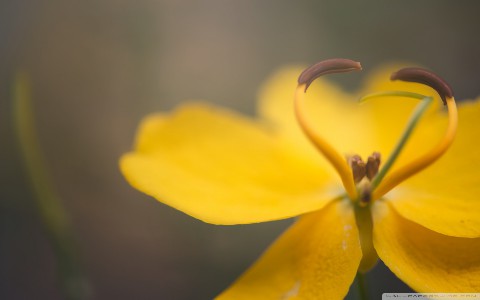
98 66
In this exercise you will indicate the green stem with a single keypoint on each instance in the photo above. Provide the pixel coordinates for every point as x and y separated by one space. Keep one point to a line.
362 287
52 214
421 108
417 114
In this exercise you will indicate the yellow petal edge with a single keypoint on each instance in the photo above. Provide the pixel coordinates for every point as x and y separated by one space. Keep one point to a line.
222 168
316 258
445 196
427 261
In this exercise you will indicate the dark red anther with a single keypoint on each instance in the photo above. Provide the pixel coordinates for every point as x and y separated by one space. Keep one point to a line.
329 66
426 77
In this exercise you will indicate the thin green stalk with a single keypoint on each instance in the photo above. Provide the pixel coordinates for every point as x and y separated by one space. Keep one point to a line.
55 220
392 94
412 123
362 287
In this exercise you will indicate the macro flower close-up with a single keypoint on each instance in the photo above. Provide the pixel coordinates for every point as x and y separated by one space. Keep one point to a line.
390 172
248 150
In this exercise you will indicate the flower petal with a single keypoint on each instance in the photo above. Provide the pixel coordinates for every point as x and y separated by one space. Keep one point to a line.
316 258
222 168
426 260
444 197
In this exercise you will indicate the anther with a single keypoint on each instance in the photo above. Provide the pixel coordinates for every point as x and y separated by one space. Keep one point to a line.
329 66
358 168
426 77
373 164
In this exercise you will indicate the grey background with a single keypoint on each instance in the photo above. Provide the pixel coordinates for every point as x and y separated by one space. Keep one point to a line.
98 67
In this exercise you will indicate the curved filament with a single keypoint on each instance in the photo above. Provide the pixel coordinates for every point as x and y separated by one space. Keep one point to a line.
336 159
329 66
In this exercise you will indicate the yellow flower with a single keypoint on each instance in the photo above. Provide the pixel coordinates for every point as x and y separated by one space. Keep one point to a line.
424 223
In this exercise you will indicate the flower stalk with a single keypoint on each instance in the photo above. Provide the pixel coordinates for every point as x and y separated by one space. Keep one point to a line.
362 286
54 217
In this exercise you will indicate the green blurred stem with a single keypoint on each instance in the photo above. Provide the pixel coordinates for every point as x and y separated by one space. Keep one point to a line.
362 286
412 123
55 220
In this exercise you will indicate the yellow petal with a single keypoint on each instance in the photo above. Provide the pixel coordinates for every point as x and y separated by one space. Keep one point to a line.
317 258
444 197
426 260
222 168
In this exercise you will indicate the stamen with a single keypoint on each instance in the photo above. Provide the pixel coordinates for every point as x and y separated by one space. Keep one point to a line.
329 66
306 78
358 168
373 164
425 77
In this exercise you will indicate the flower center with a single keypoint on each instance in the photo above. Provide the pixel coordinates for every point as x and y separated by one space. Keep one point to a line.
365 182
363 174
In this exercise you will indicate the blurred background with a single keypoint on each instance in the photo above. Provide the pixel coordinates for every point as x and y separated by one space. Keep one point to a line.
97 67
